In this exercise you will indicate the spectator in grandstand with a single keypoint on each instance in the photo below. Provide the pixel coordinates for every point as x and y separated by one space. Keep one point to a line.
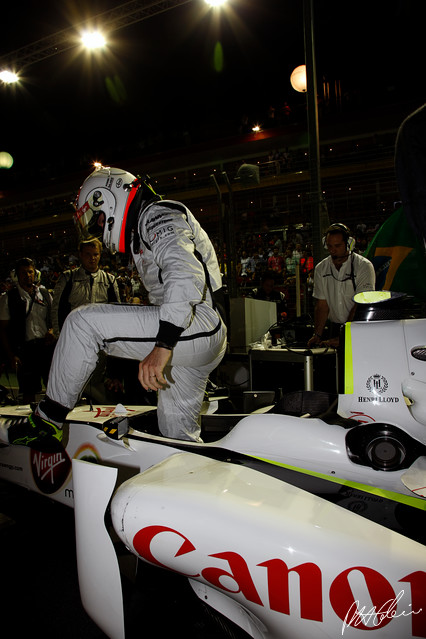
290 263
276 262
246 265
124 284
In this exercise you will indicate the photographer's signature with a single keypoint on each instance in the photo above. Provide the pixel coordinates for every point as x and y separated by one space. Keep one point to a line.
375 618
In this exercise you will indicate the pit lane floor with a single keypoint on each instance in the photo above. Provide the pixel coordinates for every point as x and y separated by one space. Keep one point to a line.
40 585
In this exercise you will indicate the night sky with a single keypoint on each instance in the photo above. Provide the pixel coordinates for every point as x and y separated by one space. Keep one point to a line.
187 75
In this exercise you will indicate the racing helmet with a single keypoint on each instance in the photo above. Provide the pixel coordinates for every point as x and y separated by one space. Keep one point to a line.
102 207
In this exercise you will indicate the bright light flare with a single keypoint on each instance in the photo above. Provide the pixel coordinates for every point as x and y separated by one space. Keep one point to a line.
6 160
93 40
298 79
216 3
8 77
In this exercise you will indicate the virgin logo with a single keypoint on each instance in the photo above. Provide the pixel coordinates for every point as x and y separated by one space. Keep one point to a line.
311 587
50 470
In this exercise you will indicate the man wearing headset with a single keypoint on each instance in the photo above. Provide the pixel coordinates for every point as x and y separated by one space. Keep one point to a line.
336 280
179 339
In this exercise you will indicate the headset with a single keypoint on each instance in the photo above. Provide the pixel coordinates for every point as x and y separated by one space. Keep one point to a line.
343 229
350 243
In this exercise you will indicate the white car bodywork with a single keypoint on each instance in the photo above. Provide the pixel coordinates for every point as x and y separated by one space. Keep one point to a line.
291 527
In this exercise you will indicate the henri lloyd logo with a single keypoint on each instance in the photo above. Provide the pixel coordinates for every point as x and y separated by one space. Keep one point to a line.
377 385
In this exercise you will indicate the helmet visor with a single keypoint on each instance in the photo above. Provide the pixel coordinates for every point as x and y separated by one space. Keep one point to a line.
91 217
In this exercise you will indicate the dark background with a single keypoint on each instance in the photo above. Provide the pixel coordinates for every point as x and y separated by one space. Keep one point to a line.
156 87
40 593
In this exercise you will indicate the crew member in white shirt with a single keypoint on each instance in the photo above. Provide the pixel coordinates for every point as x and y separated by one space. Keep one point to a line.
337 278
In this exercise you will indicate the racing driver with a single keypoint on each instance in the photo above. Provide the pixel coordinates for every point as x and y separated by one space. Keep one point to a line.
179 339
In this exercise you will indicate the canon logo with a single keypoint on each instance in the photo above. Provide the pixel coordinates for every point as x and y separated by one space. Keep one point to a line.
312 597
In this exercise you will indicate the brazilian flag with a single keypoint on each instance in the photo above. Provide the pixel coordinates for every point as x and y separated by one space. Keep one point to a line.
398 256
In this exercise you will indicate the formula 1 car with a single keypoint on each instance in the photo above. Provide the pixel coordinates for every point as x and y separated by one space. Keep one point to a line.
291 527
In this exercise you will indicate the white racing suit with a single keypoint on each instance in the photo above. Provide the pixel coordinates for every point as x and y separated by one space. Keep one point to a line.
178 267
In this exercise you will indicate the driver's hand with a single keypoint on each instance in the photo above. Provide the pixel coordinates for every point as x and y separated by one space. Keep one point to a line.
151 369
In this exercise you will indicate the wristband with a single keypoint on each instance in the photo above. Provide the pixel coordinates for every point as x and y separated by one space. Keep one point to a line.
317 335
163 345
168 333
